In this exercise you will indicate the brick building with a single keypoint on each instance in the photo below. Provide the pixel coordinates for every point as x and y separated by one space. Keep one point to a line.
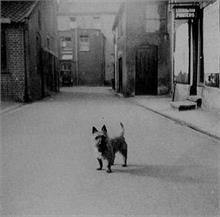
95 15
29 52
82 57
142 47
196 51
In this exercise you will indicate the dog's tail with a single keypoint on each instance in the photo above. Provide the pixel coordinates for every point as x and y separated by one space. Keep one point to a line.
123 129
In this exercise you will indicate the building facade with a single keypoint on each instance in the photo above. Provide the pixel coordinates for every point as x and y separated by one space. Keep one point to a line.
29 53
142 48
196 50
91 15
82 57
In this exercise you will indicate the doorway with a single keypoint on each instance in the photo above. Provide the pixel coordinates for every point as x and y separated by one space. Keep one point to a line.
120 73
39 63
146 71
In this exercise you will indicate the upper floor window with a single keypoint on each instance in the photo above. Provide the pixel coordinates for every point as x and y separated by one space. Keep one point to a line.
155 18
66 42
3 52
96 21
84 43
73 22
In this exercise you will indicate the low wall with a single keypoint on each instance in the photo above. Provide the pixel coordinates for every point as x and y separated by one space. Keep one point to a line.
210 97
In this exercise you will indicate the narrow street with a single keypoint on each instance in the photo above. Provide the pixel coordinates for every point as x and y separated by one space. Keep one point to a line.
49 167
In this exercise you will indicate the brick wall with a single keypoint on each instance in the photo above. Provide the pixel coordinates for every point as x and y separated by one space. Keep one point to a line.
13 83
39 76
42 73
91 63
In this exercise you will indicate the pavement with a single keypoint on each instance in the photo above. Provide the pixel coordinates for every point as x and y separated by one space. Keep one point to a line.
6 106
49 168
204 121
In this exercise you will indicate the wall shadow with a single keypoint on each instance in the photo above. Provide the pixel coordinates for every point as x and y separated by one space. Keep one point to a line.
173 173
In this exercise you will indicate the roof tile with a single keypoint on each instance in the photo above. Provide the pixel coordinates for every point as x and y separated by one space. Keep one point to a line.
16 11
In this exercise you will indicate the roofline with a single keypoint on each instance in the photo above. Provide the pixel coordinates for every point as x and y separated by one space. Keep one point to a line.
8 20
119 13
70 30
31 9
85 13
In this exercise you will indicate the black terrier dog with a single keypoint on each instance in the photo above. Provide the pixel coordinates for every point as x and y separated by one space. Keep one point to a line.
106 147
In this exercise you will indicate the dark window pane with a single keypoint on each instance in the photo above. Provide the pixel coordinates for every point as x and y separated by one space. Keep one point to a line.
3 52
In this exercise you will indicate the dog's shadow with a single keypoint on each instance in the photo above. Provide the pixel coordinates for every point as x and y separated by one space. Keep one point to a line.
172 173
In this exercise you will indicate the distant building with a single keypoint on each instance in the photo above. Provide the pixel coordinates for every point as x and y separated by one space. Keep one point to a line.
142 48
29 53
82 57
90 16
196 50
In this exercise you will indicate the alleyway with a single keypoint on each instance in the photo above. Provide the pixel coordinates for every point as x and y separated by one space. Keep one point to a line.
48 164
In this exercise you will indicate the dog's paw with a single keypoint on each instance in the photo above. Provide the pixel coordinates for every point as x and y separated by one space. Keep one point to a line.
109 171
124 165
99 169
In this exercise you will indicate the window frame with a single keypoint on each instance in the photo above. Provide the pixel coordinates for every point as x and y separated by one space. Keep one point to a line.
83 43
5 69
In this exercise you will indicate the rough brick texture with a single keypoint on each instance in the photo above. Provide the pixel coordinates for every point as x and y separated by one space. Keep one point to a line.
32 51
12 83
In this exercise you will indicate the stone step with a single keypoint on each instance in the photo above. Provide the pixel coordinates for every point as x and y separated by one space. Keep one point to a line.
183 105
196 99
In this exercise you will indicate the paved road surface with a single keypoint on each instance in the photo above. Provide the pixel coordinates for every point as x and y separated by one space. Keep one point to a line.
48 165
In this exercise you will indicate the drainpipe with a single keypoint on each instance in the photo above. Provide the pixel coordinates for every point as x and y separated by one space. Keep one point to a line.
76 56
26 54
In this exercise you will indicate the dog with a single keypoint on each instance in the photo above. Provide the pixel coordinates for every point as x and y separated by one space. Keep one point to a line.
106 147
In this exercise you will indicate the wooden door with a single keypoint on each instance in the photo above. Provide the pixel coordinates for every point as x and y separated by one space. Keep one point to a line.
39 63
120 74
146 71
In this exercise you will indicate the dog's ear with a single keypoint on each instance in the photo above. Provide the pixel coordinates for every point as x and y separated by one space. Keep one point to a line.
104 129
94 130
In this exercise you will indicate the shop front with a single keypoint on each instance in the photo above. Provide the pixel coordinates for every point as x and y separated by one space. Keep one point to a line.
195 53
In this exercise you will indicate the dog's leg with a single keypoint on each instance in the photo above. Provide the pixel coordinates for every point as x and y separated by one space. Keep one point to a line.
124 154
113 160
100 164
109 167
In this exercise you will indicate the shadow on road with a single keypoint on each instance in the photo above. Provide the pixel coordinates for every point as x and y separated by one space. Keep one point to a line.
178 173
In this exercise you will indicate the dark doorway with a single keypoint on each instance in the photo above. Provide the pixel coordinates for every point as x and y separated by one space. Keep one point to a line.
39 63
120 73
146 71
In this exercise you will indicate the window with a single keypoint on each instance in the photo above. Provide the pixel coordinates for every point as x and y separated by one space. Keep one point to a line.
3 52
66 42
66 66
96 21
155 18
211 45
181 55
84 43
73 22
